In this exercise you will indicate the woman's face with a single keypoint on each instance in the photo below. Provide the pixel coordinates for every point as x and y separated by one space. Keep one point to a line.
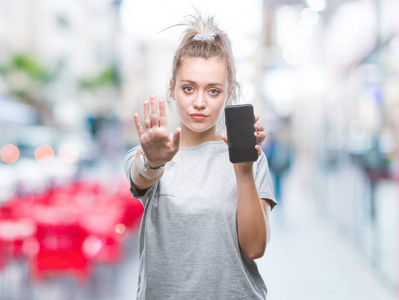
201 91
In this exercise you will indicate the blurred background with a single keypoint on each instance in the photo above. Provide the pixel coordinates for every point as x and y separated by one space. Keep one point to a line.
323 75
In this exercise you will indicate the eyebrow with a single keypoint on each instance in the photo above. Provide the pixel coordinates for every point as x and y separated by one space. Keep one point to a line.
209 84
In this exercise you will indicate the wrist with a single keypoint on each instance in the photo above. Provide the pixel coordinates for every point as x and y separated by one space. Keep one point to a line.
150 166
243 168
141 178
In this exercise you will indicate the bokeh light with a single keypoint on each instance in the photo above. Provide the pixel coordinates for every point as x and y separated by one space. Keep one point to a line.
92 245
9 153
357 128
120 228
44 154
68 153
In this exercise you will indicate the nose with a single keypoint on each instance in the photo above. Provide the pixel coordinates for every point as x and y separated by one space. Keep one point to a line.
199 101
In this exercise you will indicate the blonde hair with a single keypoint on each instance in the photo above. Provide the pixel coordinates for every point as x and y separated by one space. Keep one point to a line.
218 46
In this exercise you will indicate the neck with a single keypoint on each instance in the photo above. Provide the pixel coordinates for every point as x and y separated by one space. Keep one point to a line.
191 138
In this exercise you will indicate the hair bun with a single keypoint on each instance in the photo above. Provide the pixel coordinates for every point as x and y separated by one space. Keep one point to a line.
204 37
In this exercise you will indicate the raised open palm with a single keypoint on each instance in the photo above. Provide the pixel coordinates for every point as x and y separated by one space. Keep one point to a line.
155 141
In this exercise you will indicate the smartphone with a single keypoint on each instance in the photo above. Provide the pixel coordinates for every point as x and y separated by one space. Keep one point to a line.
240 121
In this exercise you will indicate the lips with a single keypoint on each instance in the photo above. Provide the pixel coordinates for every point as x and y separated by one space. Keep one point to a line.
198 116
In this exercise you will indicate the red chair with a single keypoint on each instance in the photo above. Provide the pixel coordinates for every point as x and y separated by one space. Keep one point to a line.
132 215
60 252
106 232
13 235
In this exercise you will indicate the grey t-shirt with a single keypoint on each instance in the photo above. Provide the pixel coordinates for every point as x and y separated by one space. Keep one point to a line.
188 244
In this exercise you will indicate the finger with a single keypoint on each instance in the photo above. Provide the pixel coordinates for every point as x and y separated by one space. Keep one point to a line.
140 129
176 138
147 122
259 149
154 111
162 113
224 137
259 127
261 136
257 117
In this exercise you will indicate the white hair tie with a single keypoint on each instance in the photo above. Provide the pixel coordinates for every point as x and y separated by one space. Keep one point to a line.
204 37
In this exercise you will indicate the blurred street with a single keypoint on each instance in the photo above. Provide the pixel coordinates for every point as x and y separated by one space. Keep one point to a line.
309 257
323 76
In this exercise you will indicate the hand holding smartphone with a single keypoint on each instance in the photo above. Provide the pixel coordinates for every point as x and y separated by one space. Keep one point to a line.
241 140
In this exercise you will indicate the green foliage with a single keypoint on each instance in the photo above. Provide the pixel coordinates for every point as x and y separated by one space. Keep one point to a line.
29 65
20 94
108 77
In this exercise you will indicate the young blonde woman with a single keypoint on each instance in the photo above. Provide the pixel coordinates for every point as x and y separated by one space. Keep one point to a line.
205 219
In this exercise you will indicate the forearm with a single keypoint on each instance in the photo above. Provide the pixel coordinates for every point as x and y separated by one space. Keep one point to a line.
142 179
252 223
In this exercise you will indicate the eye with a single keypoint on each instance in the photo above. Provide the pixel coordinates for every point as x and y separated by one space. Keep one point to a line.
214 92
188 89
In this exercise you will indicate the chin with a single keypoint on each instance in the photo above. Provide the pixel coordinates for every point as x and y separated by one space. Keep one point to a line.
198 127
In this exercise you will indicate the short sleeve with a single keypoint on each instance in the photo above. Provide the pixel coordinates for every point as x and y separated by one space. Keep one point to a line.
263 180
127 163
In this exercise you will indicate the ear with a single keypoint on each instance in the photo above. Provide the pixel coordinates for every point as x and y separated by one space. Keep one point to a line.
172 87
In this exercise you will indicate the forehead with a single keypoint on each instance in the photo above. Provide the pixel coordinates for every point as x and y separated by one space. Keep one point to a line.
199 70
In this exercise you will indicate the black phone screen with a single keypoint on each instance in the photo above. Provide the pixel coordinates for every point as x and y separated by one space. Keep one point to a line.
240 133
